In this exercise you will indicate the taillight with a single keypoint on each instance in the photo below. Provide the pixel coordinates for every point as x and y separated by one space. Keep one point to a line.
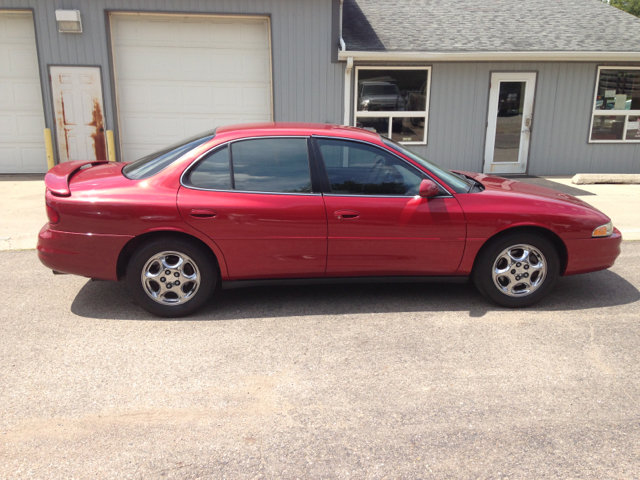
54 216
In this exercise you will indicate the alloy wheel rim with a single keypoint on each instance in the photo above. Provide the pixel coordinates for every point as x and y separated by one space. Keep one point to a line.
170 278
519 270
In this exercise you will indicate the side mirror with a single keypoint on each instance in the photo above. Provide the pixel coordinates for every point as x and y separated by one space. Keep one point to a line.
428 188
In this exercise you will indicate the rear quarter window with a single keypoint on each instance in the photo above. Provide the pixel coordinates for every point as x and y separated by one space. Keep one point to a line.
212 172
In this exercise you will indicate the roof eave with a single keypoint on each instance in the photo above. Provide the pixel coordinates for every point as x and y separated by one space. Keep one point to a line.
490 56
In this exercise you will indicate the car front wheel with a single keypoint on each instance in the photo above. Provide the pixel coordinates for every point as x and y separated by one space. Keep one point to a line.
517 270
171 277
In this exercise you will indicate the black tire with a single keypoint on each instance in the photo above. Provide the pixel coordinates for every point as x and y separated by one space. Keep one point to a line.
206 274
489 256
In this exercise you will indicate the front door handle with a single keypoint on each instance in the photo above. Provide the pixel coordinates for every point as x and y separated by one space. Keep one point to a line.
202 213
346 214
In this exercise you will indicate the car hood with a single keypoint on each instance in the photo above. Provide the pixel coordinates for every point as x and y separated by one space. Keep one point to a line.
501 184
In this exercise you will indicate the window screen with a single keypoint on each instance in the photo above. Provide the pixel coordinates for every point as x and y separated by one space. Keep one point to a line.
271 165
359 169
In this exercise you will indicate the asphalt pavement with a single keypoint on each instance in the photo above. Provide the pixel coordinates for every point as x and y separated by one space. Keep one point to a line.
349 381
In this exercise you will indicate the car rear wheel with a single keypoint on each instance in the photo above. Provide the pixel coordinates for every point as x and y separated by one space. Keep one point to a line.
171 277
517 270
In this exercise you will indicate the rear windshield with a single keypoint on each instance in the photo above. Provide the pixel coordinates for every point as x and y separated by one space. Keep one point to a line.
148 166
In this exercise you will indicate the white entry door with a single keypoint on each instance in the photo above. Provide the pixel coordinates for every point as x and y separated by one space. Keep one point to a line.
510 122
77 99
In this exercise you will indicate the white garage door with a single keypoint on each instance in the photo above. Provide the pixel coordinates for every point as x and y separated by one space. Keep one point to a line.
180 75
21 116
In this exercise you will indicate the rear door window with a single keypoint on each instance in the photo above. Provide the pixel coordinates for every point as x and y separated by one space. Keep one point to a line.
278 165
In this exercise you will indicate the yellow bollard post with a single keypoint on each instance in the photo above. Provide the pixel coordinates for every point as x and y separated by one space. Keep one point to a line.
48 145
111 146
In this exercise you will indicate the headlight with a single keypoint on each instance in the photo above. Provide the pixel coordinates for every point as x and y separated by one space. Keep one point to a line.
603 230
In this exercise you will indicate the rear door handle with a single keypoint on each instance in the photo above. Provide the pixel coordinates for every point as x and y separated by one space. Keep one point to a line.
202 213
346 214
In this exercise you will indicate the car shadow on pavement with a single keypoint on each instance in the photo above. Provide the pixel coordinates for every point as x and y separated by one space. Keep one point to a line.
110 300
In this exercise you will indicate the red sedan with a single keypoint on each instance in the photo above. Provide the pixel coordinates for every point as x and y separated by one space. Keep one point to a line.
310 203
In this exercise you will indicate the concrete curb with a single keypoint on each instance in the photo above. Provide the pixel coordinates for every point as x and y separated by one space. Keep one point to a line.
619 178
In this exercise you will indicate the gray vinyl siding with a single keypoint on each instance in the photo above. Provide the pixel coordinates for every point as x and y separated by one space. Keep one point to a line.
307 86
561 119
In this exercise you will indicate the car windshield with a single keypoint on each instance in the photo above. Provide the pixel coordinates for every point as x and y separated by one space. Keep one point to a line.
148 166
459 183
380 90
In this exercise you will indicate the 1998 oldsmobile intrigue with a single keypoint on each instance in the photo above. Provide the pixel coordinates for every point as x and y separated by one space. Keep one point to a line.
315 203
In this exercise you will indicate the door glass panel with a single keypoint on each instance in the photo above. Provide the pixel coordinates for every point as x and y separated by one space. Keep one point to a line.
607 127
271 165
359 169
509 122
408 129
212 172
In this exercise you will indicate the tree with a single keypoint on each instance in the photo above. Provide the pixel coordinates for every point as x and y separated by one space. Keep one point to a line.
629 6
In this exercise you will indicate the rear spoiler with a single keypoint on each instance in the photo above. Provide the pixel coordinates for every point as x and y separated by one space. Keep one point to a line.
57 179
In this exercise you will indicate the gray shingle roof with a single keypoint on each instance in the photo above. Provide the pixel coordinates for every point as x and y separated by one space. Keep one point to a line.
488 26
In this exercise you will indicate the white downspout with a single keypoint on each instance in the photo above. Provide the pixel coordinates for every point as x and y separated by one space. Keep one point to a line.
347 91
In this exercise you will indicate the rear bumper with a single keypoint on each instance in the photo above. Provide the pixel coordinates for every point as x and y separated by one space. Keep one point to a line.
593 254
85 254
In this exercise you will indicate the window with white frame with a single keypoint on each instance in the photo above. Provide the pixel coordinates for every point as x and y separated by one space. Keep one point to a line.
616 107
394 101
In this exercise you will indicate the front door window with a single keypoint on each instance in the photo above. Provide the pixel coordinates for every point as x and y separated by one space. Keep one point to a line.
360 169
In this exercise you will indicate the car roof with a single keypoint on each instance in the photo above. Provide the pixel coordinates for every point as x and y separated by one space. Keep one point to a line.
295 128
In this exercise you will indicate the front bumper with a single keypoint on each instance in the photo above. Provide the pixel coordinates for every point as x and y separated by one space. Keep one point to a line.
593 254
85 254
